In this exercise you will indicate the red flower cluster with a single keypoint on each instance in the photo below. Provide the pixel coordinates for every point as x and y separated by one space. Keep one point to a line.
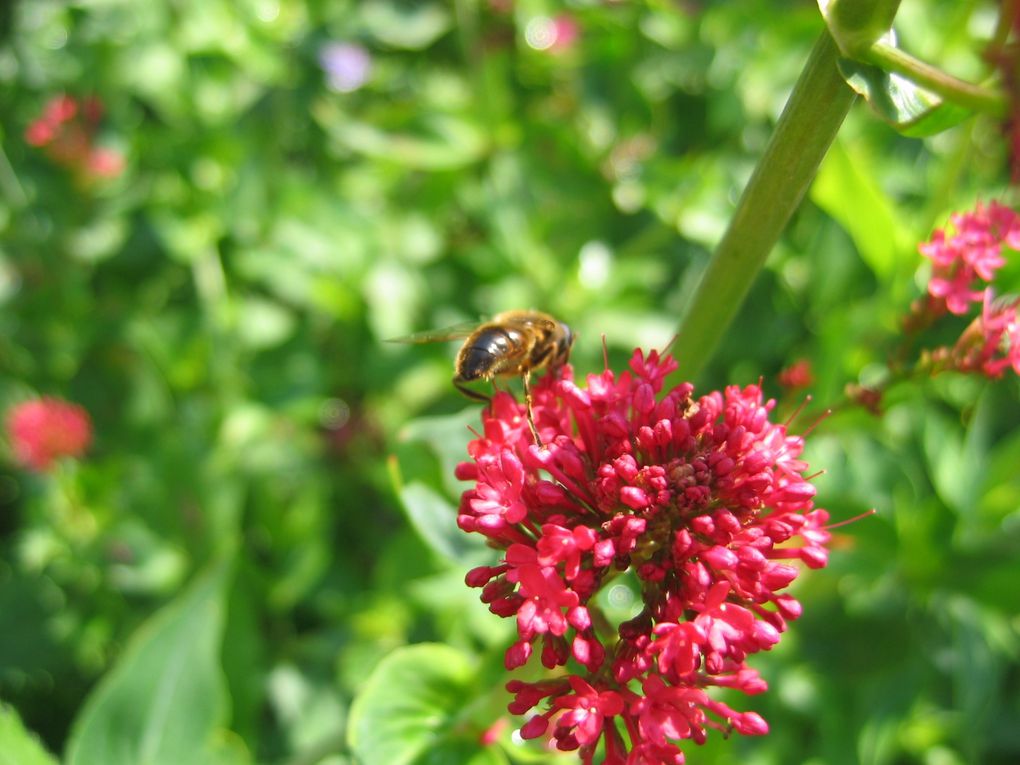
45 429
969 251
66 132
703 499
991 344
965 260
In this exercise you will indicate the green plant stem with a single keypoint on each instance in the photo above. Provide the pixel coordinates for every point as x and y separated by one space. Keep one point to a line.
950 88
9 183
809 123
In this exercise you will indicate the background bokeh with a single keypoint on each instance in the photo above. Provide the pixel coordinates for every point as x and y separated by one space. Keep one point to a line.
293 183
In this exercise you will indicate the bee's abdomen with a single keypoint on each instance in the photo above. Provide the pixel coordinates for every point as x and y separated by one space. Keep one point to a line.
486 353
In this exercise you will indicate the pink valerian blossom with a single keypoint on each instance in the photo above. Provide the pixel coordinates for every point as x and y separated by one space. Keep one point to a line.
703 499
965 259
46 429
990 345
966 254
66 132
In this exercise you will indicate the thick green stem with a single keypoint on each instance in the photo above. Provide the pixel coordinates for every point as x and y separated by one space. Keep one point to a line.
809 123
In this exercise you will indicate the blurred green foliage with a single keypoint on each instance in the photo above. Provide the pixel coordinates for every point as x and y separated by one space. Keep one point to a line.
218 579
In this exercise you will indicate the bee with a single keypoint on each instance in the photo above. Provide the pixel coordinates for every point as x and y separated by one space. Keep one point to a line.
512 344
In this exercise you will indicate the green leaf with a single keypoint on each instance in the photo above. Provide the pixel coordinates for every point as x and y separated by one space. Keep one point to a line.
435 520
404 24
846 189
910 109
437 142
446 437
957 457
19 746
187 239
164 703
420 445
411 711
263 323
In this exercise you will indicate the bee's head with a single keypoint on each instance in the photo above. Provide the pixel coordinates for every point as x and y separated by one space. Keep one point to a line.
564 345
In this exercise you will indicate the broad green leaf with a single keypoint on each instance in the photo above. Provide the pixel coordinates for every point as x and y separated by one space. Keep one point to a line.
978 669
957 458
446 437
164 703
909 108
846 189
435 520
19 746
412 710
423 443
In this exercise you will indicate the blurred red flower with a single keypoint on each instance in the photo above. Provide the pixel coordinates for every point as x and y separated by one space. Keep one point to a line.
66 131
797 375
45 429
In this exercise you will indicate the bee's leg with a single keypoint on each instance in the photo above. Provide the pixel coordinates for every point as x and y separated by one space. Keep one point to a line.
470 393
526 378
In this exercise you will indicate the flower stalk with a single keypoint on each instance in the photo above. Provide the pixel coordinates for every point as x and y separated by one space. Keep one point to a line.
950 88
809 123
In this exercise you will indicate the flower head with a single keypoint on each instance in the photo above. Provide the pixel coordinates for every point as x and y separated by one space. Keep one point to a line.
66 133
703 499
991 344
969 250
45 429
965 259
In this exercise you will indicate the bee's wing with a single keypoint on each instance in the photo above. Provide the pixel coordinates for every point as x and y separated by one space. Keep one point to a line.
456 332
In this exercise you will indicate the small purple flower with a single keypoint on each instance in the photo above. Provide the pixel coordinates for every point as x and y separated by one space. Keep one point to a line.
346 65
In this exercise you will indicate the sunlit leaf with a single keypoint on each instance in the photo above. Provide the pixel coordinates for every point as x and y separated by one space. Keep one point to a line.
264 323
19 746
957 458
425 444
435 519
847 191
412 25
446 438
413 710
